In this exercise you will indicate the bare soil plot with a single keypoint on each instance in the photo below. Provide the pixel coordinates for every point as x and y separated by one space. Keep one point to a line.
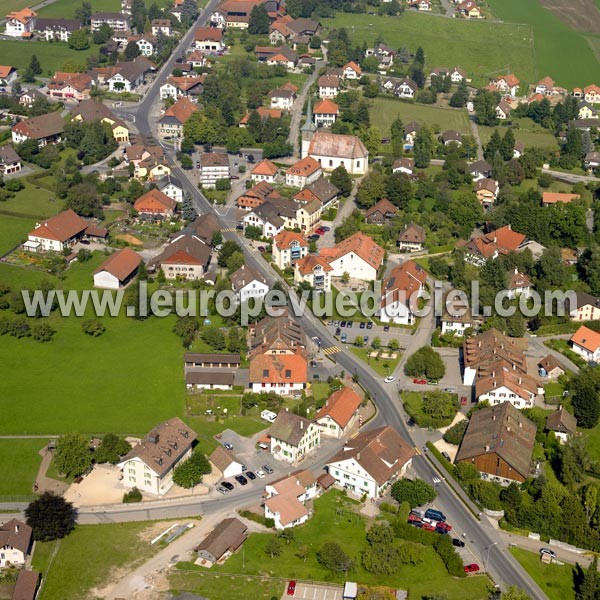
581 15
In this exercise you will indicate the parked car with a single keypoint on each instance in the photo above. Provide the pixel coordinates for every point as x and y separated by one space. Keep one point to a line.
267 469
450 390
446 456
458 543
262 249
320 231
260 474
370 325
463 400
291 588
548 551
337 331
234 177
250 475
239 227
349 324
325 228
241 479
366 339
386 327
227 485
343 338
436 515
227 446
362 325
390 379
222 489
314 237
420 381
472 568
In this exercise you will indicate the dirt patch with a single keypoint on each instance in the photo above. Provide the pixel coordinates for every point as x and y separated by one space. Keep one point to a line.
581 15
130 239
154 530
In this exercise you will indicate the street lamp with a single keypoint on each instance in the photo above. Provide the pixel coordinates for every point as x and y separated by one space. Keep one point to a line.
487 560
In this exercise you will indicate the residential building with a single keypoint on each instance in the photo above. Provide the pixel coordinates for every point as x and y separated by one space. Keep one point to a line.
371 461
70 86
592 160
304 172
506 83
257 195
225 462
178 87
209 40
499 442
57 29
519 285
339 417
400 293
118 22
149 162
236 13
213 166
456 74
586 111
276 336
57 233
10 162
171 187
285 499
381 212
248 283
45 129
586 343
591 94
272 216
161 26
293 437
186 257
174 118
451 137
282 98
563 424
545 86
15 543
550 198
221 542
212 361
411 238
20 23
329 86
480 169
263 113
288 247
128 76
27 585
315 271
325 113
550 367
118 270
146 43
320 189
285 375
351 70
8 75
503 110
582 306
155 204
486 191
265 170
358 256
198 59
502 385
28 97
92 110
410 133
208 380
404 165
406 88
332 150
149 465
490 245
456 317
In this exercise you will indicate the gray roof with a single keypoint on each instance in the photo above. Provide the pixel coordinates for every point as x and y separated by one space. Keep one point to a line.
222 458
189 244
243 276
8 156
209 378
562 421
323 189
289 428
228 535
201 357
57 24
15 534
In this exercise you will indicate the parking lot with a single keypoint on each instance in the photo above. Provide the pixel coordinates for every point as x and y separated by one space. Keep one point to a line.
316 592
401 335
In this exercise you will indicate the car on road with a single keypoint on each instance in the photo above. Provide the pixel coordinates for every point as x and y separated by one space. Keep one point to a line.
227 446
227 485
390 379
458 543
234 177
365 339
239 227
267 469
291 588
450 390
472 568
241 479
420 381
261 249
219 247
446 456
250 475
362 325
325 228
343 338
548 551
222 489
314 237
436 515
370 325
338 331
336 323
260 474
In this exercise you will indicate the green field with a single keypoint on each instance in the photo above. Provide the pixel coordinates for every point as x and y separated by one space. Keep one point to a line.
481 48
12 5
560 52
222 586
385 110
528 132
556 581
52 56
592 438
13 231
32 200
24 455
87 556
65 9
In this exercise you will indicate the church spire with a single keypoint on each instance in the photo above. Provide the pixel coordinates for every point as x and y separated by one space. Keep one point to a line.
309 125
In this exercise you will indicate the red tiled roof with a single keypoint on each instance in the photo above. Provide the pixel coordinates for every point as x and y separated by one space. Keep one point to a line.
274 368
154 201
265 167
326 107
554 197
121 264
305 167
362 245
586 338
182 109
310 261
340 406
404 280
60 228
212 34
285 238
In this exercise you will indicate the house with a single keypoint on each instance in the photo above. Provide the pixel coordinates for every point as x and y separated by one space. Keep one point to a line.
293 437
212 361
28 97
503 385
381 212
209 40
257 195
549 198
332 150
149 465
308 216
315 271
519 285
480 169
401 291
10 162
325 113
339 418
209 380
58 232
161 26
404 165
146 43
420 5
27 585
45 129
177 87
545 86
586 343
128 76
456 317
288 247
186 257
411 238
563 423
285 499
174 118
329 86
57 29
118 22
351 71
503 110
406 88
263 113
197 59
172 188
225 462
592 160
456 74
149 162
283 374
279 32
519 149
92 110
486 191
282 98
15 543
583 307
276 336
272 216
321 190
358 256
213 166
410 133
506 83
370 462
303 173
265 170
591 94
236 13
248 283
490 245
469 10
70 86
118 270
499 442
20 23
221 542
586 111
155 204
550 367
451 137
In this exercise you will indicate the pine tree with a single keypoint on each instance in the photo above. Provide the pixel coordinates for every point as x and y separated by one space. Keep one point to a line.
259 20
493 145
397 135
507 147
34 65
589 588
188 209
423 148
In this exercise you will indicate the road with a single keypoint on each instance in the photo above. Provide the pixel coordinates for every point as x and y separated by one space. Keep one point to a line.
571 177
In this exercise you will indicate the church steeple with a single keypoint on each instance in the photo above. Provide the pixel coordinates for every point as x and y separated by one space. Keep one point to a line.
307 130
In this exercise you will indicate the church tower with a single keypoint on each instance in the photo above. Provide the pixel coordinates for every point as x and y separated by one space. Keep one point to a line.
307 130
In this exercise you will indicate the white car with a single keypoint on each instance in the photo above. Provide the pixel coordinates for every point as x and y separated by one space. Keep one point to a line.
390 379
260 474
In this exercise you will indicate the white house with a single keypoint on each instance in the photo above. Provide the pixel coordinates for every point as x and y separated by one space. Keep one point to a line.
339 416
586 343
519 285
370 462
288 247
15 543
209 40
326 113
407 88
315 271
172 188
209 380
282 98
563 424
303 173
265 170
118 270
225 462
118 22
59 232
400 293
351 71
266 218
146 46
502 385
358 255
293 437
456 317
161 26
583 307
332 150
329 86
283 374
248 283
57 29
213 166
285 499
149 465
20 23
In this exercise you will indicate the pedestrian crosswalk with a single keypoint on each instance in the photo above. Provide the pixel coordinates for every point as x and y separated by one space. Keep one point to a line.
228 229
331 350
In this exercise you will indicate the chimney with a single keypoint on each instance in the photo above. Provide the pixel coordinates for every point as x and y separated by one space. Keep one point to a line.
358 456
16 528
301 424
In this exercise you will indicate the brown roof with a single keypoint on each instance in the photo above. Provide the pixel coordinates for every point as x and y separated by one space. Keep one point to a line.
304 167
285 238
278 368
60 228
554 197
502 240
16 534
222 458
412 233
405 162
288 427
78 81
324 143
340 406
121 264
518 280
404 280
562 421
521 384
209 378
154 201
182 110
381 452
486 349
384 206
500 429
164 446
214 159
326 480
207 357
332 81
321 189
186 249
27 585
227 536
549 363
41 127
361 245
243 276
277 333
265 167
204 226
8 156
287 506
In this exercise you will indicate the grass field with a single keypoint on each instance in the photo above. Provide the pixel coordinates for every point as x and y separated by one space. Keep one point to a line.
65 9
334 519
52 56
556 44
528 132
13 231
592 438
480 48
385 110
87 557
12 5
19 464
556 581
222 586
32 200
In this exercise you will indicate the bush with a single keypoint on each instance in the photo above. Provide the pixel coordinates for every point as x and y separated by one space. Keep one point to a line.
223 185
189 473
247 514
425 362
485 493
454 564
133 495
93 327
455 434
414 491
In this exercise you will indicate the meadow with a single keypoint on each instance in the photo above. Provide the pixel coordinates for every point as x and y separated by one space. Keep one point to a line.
528 132
24 453
65 9
13 231
52 55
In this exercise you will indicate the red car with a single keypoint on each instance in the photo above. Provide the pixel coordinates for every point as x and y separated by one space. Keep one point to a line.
291 589
443 527
320 231
463 400
472 568
420 381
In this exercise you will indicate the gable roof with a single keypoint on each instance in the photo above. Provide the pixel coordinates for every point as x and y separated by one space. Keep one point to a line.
562 421
549 363
16 534
288 427
208 34
307 264
285 238
337 145
44 126
8 155
245 275
92 110
265 167
60 228
321 189
279 333
27 585
331 81
326 107
381 452
554 197
182 110
361 245
222 458
384 206
204 226
185 250
263 113
57 24
287 506
227 536
340 406
412 233
483 351
305 167
521 384
121 264
404 280
153 200
278 368
586 338
502 240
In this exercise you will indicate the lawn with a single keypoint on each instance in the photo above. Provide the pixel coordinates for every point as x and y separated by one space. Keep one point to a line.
385 110
65 9
528 133
13 231
482 49
335 518
552 38
77 568
592 438
556 581
207 429
222 586
381 366
32 200
52 56
19 464
413 404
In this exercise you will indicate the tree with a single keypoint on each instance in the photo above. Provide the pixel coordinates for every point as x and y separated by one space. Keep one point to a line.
485 107
259 20
423 148
425 362
214 337
303 552
333 558
399 189
79 40
51 517
235 261
371 189
461 96
589 588
139 15
397 137
102 35
42 332
132 50
552 274
226 251
84 13
186 328
585 388
507 147
93 327
34 65
341 180
85 200
111 449
188 208
72 456
189 473
414 491
274 547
